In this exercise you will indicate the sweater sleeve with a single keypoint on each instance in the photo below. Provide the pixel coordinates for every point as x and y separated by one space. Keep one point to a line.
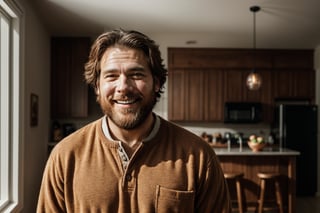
212 194
51 196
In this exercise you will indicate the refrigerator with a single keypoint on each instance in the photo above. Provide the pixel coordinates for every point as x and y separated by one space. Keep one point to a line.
296 126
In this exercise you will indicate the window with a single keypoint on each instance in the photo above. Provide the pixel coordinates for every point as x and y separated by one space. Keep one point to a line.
11 102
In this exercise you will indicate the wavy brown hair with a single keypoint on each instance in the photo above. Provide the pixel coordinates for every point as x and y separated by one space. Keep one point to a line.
131 39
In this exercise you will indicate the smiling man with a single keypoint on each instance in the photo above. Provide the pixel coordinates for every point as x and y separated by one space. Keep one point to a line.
131 160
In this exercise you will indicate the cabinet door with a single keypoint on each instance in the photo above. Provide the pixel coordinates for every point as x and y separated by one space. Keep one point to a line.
78 87
213 102
294 84
304 84
69 92
177 95
283 83
186 95
60 77
233 85
195 95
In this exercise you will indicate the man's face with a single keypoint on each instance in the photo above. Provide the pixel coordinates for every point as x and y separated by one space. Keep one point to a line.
126 90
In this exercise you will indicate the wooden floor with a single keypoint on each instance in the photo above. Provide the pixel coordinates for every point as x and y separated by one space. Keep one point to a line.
303 205
308 205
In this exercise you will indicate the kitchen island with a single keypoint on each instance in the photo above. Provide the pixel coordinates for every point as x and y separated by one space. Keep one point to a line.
270 159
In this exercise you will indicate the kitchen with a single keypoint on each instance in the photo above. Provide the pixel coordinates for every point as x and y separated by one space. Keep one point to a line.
281 65
260 123
37 78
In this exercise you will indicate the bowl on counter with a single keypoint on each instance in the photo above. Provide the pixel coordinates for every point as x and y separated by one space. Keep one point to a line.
256 147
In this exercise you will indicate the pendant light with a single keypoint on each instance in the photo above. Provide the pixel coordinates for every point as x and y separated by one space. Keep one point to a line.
254 80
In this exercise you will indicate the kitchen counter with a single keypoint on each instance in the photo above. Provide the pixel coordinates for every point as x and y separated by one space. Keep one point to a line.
270 159
267 151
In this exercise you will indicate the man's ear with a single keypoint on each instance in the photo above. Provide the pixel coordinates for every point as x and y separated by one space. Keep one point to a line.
156 85
97 90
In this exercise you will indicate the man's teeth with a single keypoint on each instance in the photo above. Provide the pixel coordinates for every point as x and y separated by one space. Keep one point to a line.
125 102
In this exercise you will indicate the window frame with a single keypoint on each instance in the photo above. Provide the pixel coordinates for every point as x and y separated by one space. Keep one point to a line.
11 107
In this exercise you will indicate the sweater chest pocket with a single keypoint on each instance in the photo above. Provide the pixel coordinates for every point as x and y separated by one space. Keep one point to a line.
171 201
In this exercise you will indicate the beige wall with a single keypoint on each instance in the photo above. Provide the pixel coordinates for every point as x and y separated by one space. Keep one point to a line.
36 66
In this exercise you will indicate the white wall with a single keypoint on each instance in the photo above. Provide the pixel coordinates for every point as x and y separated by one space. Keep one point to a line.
37 81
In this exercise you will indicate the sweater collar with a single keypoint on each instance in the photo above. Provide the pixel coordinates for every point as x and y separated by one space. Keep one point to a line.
156 126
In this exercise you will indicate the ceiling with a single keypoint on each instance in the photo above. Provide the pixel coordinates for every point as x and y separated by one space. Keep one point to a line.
279 24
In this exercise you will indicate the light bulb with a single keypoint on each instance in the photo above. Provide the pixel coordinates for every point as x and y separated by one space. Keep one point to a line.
254 81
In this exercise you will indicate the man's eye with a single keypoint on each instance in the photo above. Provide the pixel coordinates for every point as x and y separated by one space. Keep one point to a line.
137 75
110 76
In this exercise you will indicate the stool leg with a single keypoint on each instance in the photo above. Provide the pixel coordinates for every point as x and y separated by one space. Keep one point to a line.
239 196
262 192
278 195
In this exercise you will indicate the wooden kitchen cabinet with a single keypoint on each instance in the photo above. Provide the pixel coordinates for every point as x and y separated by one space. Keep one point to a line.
196 95
250 163
201 80
187 100
233 86
294 84
69 92
213 90
178 94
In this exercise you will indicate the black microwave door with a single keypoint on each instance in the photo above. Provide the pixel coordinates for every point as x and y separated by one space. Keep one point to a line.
242 113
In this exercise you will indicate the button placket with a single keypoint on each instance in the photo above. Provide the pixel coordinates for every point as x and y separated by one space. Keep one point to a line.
123 156
128 177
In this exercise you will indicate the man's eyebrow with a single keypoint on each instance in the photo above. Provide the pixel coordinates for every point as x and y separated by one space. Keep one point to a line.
137 68
130 69
109 70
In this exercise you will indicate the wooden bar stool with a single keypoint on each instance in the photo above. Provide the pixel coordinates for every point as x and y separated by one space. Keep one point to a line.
271 177
236 177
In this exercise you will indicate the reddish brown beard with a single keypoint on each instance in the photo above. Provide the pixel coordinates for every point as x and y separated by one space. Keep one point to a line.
133 119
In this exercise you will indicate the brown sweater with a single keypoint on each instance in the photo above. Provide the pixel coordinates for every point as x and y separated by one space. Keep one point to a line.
173 172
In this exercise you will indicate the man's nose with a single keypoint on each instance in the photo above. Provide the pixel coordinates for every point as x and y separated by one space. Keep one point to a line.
124 83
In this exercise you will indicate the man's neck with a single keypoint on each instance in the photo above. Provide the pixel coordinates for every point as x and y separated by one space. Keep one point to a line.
132 137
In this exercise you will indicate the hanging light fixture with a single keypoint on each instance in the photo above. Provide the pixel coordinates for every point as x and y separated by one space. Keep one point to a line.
254 80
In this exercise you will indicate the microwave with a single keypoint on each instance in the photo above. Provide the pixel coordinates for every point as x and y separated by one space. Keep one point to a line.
242 112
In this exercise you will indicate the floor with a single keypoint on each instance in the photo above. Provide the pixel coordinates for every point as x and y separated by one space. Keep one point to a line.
303 205
308 205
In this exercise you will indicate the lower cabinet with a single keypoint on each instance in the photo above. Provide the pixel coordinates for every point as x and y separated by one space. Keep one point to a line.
251 164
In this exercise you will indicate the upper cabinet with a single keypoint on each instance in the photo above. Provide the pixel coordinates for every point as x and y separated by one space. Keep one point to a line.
69 92
294 83
191 90
201 80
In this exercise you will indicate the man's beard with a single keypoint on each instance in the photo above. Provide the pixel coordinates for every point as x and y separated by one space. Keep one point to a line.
129 118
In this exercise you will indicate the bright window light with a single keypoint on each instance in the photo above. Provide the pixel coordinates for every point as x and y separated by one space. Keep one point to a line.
11 99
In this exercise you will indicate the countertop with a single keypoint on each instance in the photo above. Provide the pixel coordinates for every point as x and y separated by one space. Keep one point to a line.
246 151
